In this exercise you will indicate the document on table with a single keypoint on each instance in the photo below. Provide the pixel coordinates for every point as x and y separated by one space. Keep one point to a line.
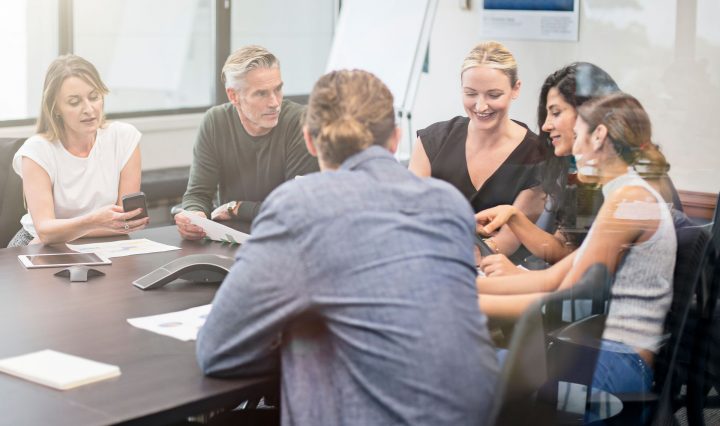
181 325
57 370
217 231
123 247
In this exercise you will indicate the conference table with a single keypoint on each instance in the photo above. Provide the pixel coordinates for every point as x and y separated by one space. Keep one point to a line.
160 381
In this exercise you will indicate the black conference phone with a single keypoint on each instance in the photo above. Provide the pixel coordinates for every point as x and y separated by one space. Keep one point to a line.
201 268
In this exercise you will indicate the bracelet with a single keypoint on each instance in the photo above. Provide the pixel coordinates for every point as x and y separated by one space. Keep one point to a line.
492 244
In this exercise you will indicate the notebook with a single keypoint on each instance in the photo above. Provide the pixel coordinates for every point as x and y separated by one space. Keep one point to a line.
57 370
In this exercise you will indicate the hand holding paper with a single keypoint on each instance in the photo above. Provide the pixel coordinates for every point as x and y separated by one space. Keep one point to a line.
216 231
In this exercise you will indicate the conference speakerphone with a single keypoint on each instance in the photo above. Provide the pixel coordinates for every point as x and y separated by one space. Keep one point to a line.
200 268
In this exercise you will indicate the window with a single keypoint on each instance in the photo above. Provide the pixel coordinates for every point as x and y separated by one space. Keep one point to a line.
298 32
153 55
28 30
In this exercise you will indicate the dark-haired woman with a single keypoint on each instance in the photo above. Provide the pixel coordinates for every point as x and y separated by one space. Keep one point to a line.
562 93
633 236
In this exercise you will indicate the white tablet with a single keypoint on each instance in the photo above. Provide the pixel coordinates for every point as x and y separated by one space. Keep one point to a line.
56 260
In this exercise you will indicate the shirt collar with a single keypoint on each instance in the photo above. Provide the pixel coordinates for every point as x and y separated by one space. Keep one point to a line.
371 153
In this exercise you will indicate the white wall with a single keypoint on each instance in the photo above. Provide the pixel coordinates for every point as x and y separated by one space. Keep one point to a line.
634 40
674 70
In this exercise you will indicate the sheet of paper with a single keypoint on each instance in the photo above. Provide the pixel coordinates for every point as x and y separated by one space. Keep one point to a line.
57 370
123 247
217 231
181 325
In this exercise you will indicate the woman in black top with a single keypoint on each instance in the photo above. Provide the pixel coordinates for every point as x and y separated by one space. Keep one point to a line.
491 159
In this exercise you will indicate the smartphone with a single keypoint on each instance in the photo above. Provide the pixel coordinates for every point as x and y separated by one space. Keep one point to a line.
55 260
133 201
485 249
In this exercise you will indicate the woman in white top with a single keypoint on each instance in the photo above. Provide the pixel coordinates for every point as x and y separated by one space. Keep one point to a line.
633 235
77 167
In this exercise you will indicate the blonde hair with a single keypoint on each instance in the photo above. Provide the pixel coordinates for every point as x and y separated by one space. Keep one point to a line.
349 111
628 129
244 60
49 122
492 54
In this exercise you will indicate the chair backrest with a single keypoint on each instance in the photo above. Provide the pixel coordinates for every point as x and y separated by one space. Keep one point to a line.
593 287
572 350
12 207
692 242
525 370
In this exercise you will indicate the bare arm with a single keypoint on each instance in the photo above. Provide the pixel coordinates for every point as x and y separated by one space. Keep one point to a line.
531 203
531 282
509 296
38 194
612 235
419 161
546 246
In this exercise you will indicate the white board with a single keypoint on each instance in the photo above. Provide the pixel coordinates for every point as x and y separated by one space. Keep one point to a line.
388 38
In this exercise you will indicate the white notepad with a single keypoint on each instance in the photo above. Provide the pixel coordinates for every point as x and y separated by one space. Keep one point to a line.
57 370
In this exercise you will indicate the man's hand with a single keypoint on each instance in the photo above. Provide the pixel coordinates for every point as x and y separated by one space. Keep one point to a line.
186 229
223 213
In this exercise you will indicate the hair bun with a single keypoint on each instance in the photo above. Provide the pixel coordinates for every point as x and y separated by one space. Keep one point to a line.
346 130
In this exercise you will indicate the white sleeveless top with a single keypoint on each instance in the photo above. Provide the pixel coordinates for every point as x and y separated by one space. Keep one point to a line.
641 292
81 185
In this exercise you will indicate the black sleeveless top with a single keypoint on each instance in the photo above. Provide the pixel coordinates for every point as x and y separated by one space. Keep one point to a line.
444 144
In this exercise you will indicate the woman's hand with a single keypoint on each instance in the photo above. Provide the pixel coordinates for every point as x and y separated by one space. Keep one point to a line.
113 218
490 220
498 265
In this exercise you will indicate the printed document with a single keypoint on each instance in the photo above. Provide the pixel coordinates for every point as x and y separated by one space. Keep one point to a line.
123 247
181 325
217 231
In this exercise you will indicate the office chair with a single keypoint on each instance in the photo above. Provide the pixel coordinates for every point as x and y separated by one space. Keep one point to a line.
12 206
581 341
526 370
704 359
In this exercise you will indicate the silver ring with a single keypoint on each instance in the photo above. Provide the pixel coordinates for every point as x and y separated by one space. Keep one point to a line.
127 227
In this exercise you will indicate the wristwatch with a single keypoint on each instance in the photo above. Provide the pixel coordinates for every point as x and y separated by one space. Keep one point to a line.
231 206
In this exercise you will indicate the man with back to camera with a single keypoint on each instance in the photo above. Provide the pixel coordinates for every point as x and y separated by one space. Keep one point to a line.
357 285
246 147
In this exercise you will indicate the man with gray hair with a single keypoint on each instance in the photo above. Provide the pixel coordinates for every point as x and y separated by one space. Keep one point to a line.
246 147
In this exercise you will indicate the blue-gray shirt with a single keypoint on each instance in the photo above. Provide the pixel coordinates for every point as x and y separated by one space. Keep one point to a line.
360 283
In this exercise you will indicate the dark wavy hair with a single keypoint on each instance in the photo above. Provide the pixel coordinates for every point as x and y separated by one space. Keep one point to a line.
577 83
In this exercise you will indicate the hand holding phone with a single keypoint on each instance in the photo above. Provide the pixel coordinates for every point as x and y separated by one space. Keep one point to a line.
484 248
134 201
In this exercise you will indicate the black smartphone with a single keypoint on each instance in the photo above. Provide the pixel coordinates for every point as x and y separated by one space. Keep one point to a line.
485 249
133 201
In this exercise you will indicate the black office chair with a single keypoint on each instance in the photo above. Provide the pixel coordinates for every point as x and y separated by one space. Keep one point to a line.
703 361
581 340
12 205
527 371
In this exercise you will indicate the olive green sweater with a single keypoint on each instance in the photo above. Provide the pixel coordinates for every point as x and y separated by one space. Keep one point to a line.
243 167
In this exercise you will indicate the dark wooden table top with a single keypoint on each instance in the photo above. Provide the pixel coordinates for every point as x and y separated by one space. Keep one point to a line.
160 380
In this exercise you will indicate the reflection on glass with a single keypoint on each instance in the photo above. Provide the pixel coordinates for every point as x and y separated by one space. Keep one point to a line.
299 33
28 30
154 55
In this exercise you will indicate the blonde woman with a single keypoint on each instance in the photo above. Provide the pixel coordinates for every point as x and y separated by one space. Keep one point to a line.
490 158
77 167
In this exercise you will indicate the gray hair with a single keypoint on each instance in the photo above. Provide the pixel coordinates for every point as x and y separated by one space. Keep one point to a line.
244 60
